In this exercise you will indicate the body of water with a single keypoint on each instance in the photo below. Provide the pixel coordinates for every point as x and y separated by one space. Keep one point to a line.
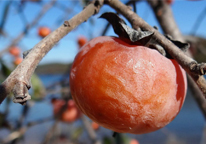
186 128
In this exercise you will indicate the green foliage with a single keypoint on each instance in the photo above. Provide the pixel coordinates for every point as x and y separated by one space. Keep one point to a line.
107 140
38 89
77 133
5 71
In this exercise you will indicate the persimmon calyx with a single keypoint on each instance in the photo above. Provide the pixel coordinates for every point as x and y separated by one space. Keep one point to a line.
134 37
142 37
21 94
183 46
139 37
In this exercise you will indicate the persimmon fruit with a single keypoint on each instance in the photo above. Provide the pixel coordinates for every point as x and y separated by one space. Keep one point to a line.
133 141
15 51
81 41
57 105
44 31
17 60
126 88
95 125
70 114
169 2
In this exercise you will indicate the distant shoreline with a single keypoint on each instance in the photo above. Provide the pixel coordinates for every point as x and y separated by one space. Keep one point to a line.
53 68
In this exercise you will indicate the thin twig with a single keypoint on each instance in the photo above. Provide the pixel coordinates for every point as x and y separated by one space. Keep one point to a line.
14 135
199 20
50 133
90 131
105 29
4 18
21 131
29 26
194 69
21 120
134 6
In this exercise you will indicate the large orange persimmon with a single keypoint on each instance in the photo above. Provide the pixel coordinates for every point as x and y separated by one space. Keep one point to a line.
127 88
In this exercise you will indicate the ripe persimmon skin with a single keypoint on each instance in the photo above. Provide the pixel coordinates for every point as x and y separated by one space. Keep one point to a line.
126 88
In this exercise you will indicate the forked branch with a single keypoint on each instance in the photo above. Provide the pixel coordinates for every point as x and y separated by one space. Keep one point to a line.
169 26
19 80
194 69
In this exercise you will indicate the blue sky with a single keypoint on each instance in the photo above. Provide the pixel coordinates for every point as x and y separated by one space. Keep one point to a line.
185 13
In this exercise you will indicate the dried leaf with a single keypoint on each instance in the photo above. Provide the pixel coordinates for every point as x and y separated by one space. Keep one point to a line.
142 37
125 32
183 46
115 21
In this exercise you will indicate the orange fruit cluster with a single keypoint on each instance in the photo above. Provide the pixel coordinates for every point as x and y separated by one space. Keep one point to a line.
15 51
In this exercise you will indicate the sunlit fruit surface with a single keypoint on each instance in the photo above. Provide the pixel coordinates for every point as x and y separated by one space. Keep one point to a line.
126 88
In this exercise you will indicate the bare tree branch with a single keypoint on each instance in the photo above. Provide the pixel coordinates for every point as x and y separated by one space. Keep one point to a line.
19 80
21 130
51 133
193 68
169 26
4 18
199 20
30 25
90 131
165 17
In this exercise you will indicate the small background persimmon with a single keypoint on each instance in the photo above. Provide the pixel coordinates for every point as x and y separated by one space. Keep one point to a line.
169 2
17 60
14 51
44 31
69 114
81 41
134 141
95 125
